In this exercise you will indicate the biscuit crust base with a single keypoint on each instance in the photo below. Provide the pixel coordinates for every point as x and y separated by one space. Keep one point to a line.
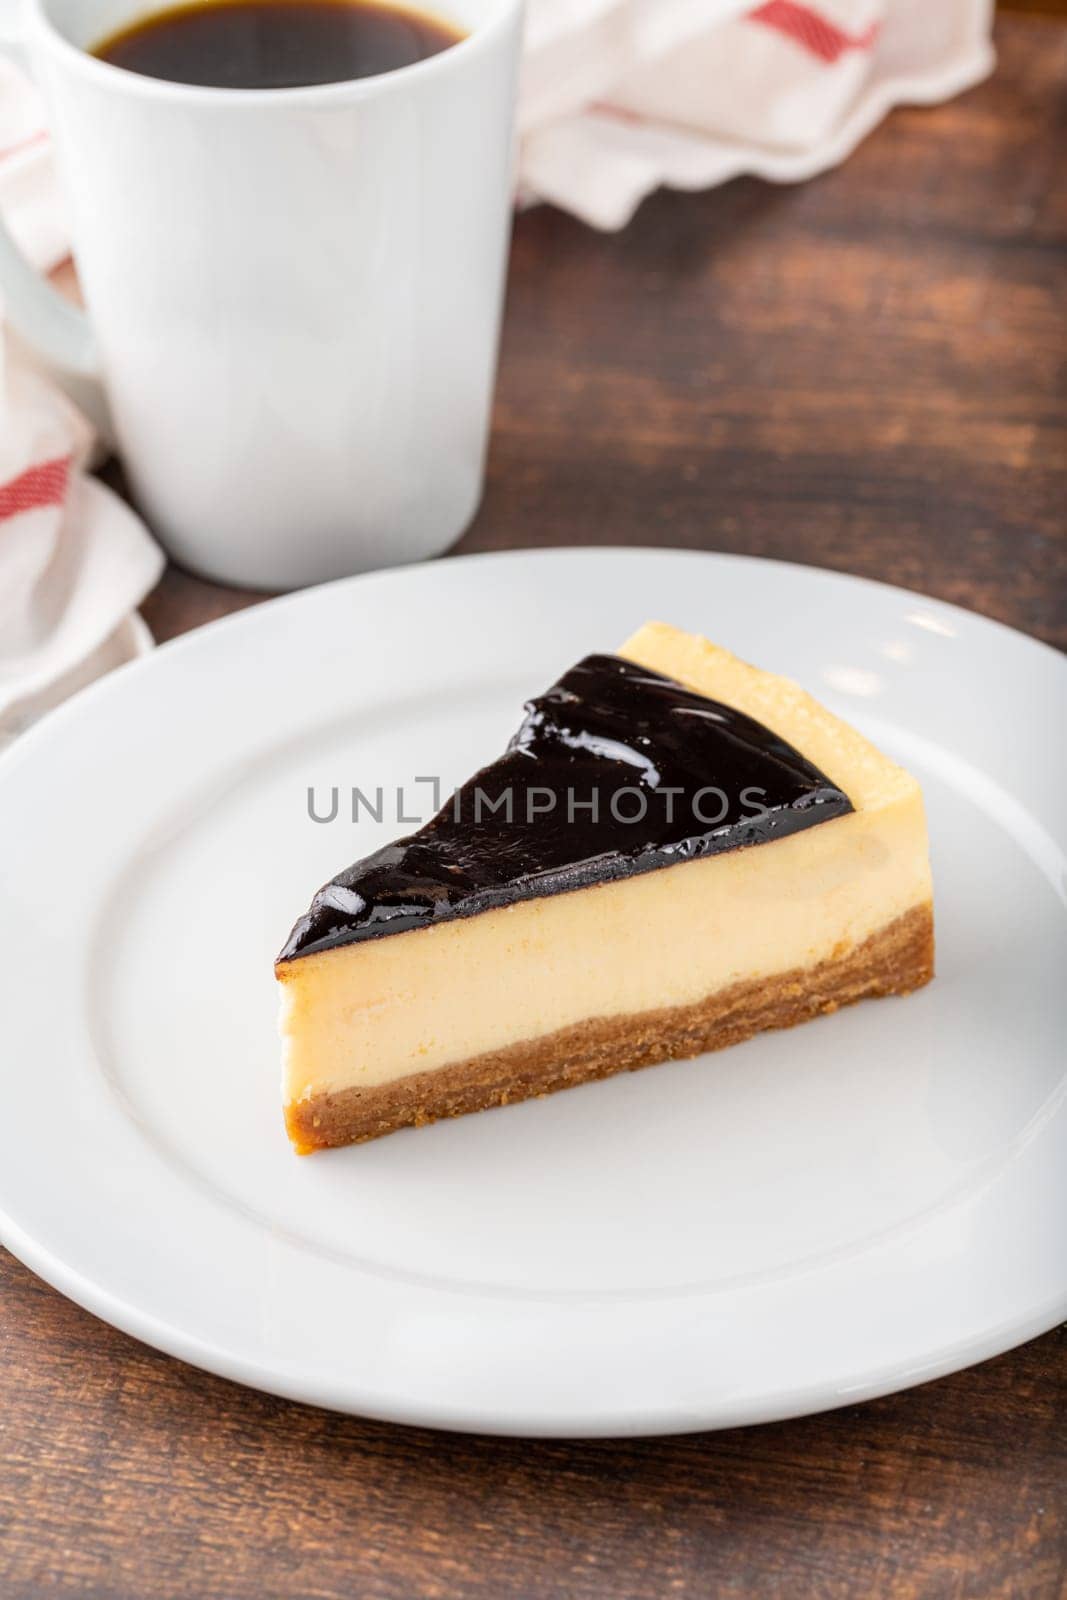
895 960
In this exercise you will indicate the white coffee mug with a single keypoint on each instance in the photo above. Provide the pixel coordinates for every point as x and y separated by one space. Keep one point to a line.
293 294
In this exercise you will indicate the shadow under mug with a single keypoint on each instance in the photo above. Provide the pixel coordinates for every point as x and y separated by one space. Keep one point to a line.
293 295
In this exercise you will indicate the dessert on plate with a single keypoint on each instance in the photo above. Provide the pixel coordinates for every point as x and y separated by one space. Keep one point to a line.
676 851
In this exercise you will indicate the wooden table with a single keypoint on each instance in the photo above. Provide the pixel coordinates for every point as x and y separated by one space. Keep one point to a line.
862 373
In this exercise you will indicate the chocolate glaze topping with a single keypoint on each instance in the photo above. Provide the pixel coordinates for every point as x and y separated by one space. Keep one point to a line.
616 770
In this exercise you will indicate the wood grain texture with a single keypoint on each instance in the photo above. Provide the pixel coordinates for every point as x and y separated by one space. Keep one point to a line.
863 373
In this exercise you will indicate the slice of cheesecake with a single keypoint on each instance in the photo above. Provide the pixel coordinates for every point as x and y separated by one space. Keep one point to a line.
676 851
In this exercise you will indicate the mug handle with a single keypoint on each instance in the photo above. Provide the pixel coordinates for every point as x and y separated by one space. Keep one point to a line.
56 331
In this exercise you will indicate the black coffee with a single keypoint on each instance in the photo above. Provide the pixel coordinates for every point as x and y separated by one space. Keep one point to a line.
276 44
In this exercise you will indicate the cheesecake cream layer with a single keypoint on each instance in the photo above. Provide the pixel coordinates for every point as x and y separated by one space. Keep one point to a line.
374 1013
895 960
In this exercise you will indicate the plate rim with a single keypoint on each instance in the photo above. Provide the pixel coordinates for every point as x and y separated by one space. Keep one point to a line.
272 604
782 1405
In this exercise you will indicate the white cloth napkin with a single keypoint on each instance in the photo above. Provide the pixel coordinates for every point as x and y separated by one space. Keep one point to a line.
621 96
617 98
75 561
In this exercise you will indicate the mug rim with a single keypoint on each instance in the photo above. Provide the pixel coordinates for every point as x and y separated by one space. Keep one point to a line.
108 75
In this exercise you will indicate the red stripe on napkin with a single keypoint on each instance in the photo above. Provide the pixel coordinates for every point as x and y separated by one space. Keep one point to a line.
811 31
42 485
27 143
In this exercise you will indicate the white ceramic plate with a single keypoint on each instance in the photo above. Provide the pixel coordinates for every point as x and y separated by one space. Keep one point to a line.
809 1219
